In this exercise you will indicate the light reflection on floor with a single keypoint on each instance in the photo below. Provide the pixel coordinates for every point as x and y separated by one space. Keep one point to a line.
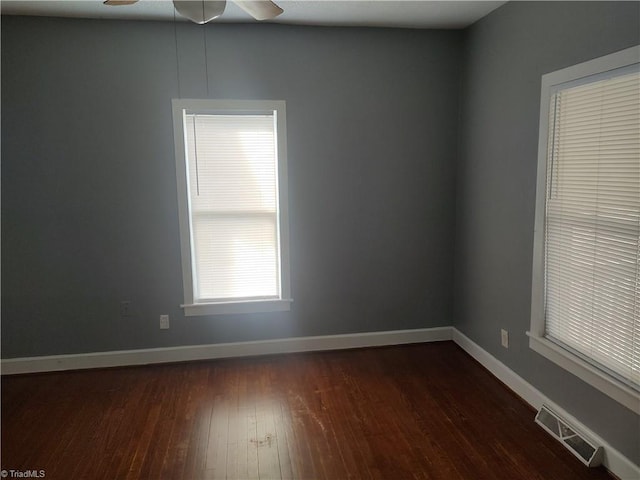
249 438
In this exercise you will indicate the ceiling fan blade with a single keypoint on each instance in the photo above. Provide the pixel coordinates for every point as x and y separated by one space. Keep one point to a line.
115 3
200 11
260 9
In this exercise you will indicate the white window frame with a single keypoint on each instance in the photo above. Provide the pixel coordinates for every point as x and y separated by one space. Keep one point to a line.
597 378
181 107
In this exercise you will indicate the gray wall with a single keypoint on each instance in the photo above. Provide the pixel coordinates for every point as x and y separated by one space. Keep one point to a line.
89 210
506 54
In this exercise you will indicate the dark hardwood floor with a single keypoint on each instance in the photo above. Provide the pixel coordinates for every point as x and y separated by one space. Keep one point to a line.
424 411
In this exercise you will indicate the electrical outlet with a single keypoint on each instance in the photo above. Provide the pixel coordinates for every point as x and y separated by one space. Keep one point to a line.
164 322
125 308
505 338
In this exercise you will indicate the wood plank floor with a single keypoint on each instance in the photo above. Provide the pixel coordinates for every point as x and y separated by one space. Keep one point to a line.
424 411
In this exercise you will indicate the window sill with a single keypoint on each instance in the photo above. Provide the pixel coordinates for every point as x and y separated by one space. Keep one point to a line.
608 385
225 308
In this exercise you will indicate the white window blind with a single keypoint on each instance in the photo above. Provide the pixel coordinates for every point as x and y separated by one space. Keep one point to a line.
232 164
592 224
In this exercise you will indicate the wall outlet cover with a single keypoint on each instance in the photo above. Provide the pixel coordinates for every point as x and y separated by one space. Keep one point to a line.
504 338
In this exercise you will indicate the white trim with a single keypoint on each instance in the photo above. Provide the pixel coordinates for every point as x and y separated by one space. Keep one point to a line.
585 371
184 222
221 350
613 460
612 61
253 306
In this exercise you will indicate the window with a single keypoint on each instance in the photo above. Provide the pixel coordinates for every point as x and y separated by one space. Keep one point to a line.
586 284
232 199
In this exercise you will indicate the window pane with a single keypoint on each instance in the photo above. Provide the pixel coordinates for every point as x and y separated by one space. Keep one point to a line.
231 163
235 257
233 200
593 223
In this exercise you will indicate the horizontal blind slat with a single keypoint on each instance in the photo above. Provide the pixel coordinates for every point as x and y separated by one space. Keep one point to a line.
592 222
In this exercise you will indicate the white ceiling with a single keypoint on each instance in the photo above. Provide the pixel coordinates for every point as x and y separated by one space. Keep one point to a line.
378 13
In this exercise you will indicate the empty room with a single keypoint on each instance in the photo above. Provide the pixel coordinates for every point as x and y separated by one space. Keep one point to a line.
320 240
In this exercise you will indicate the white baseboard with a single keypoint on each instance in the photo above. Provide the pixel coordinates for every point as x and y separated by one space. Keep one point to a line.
121 358
613 460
